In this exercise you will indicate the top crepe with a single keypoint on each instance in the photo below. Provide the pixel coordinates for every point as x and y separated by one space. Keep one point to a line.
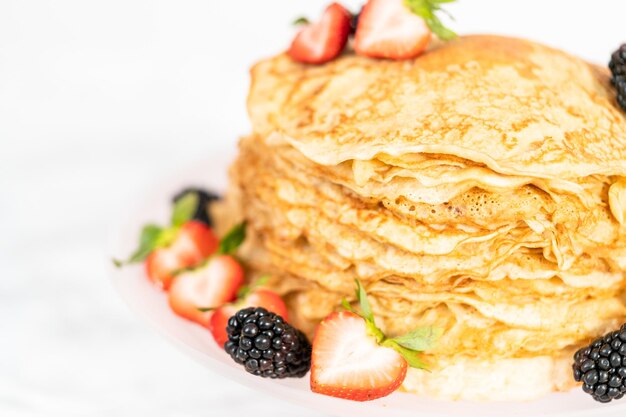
515 106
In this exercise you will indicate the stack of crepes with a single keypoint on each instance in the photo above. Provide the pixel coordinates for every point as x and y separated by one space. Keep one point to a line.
480 188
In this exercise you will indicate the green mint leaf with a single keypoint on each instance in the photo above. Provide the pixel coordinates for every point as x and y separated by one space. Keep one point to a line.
233 239
184 209
410 356
262 281
420 339
427 9
166 237
345 304
243 292
247 289
301 21
148 241
439 29
205 309
361 296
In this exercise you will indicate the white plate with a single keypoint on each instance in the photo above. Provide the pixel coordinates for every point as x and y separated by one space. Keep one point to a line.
198 343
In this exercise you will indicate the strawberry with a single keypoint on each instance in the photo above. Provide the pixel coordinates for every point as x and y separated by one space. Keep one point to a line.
323 41
255 298
348 363
218 322
192 243
209 286
354 360
183 244
388 29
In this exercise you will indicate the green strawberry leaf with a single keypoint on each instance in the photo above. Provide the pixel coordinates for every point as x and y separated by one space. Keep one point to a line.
374 331
205 309
427 10
301 21
148 241
233 239
409 355
184 209
262 281
361 296
345 304
420 339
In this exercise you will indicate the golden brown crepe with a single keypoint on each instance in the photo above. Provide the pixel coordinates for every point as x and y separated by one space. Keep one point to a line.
480 188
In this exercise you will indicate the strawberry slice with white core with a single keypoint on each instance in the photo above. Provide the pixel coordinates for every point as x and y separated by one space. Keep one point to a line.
209 286
193 243
323 41
388 29
348 363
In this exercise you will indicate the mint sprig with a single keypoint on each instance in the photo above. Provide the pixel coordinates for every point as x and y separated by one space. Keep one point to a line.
184 208
233 239
409 345
301 21
427 10
247 289
420 339
154 236
147 243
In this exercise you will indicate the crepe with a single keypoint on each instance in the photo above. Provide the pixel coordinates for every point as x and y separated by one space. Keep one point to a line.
480 188
516 106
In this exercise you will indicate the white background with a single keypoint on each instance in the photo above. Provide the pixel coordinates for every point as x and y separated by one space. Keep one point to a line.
99 99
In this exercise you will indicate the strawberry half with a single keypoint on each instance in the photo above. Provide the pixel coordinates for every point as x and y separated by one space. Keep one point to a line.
255 298
185 243
354 360
323 41
348 363
209 286
388 29
192 244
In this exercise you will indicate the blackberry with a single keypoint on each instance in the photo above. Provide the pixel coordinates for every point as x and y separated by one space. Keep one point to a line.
601 367
618 69
205 198
266 346
354 21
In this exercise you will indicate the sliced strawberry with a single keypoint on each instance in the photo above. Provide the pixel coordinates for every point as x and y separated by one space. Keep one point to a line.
209 286
348 363
323 41
193 243
219 321
267 299
388 29
256 298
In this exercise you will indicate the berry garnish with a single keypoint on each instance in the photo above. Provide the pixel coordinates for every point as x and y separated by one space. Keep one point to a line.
194 292
601 367
190 245
203 198
427 10
208 286
618 69
266 345
388 29
354 360
320 42
184 244
247 297
354 22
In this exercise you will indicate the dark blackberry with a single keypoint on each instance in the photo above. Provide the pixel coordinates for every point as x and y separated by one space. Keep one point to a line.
618 69
601 367
354 21
266 346
205 198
